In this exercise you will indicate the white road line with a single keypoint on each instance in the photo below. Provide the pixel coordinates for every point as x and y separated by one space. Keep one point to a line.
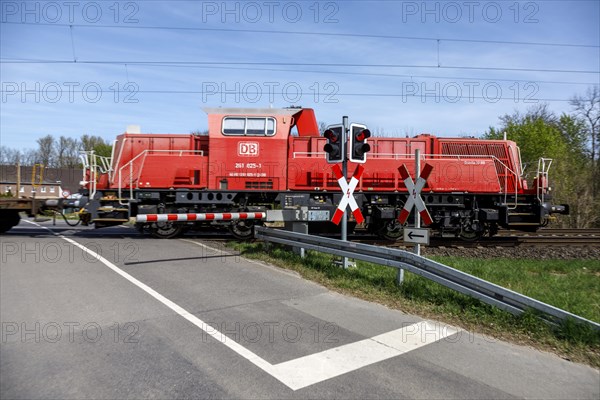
201 245
314 368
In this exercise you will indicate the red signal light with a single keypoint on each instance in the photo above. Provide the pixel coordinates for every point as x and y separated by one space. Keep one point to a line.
358 143
335 146
331 136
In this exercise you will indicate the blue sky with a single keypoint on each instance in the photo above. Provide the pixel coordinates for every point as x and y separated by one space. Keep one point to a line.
73 68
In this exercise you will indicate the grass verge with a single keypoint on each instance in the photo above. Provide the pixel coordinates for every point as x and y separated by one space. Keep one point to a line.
572 285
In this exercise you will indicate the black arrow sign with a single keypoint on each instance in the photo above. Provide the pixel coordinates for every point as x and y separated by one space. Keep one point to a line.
411 234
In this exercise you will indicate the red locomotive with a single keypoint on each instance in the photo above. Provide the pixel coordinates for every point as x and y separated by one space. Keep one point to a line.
255 160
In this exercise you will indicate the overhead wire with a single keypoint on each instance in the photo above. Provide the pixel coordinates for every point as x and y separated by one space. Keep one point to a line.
300 64
388 75
252 65
342 34
321 93
318 33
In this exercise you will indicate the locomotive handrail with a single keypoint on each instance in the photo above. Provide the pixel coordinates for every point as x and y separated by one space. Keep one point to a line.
94 163
85 163
144 154
105 167
542 176
490 293
118 160
308 153
492 157
461 156
397 156
112 157
510 154
521 169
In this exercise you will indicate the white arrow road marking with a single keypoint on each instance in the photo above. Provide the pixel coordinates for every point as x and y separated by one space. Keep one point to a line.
308 370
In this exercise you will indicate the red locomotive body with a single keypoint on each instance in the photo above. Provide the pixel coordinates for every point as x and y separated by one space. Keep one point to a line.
261 159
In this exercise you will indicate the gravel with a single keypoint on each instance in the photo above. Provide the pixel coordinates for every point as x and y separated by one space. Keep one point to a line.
520 252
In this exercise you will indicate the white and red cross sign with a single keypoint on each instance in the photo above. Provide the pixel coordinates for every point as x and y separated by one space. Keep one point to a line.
414 194
348 197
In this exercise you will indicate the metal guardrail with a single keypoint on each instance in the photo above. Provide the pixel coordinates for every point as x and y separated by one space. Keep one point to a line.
462 282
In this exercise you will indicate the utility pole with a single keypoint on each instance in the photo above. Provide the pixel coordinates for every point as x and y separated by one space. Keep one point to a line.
18 178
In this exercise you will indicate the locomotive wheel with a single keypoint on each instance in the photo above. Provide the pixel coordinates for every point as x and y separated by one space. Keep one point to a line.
391 230
242 230
470 235
165 230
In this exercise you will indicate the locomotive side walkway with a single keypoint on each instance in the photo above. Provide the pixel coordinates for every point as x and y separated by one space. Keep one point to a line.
120 316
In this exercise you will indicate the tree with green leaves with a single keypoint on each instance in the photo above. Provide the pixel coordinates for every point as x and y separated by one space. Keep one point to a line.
540 133
96 143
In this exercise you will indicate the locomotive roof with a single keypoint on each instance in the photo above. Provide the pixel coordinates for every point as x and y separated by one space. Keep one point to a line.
252 111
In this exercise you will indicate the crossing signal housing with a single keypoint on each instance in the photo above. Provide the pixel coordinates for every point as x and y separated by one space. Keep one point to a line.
358 143
335 144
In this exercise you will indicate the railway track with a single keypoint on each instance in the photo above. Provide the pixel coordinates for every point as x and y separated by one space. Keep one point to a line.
543 238
554 237
548 237
553 232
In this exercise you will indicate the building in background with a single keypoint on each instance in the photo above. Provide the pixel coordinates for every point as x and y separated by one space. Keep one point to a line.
38 181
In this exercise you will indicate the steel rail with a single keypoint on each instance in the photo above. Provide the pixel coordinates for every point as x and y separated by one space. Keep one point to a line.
462 282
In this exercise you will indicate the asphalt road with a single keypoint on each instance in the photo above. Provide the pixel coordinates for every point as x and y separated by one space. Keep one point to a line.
111 314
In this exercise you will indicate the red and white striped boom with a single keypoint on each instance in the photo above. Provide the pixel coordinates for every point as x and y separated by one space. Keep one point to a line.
199 217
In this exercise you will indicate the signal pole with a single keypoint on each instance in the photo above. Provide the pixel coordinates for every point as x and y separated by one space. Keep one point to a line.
417 250
345 173
336 150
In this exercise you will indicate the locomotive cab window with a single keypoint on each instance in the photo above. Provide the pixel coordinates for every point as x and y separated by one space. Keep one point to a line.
236 126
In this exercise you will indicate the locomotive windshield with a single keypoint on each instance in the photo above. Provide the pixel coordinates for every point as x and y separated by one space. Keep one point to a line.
239 126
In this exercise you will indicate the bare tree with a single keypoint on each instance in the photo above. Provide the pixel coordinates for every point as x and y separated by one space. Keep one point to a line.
28 157
72 153
588 109
60 147
46 153
322 126
9 156
66 152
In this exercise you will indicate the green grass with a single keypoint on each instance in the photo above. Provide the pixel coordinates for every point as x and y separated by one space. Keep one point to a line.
572 285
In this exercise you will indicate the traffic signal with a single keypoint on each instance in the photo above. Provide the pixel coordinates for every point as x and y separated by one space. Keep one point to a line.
358 143
335 144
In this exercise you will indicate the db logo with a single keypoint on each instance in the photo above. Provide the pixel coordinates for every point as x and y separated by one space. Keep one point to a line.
248 149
